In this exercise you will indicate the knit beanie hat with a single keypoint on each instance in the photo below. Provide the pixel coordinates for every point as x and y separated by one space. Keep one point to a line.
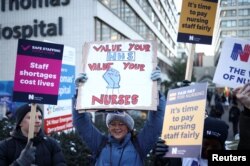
215 128
22 111
120 116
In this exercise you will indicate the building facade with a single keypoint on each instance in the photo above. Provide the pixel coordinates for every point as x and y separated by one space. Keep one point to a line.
233 21
204 68
74 22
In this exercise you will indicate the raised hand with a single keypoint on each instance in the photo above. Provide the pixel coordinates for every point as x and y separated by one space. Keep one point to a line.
81 78
243 95
156 76
161 148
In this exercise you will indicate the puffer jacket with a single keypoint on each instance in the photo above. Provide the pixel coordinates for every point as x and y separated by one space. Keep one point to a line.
121 154
48 152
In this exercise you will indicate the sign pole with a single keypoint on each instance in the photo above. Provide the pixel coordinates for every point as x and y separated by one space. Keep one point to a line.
32 121
189 67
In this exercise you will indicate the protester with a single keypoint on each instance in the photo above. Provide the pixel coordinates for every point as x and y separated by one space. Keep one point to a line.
40 150
223 98
234 114
209 97
243 96
217 96
120 147
214 136
217 111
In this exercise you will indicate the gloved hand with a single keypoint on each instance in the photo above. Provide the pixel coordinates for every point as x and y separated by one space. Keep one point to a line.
243 95
27 156
161 148
156 76
82 77
112 77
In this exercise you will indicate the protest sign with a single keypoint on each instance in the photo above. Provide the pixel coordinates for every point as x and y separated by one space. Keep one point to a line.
233 69
119 76
197 21
59 117
184 120
37 73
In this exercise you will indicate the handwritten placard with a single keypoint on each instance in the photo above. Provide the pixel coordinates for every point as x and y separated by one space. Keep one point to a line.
118 76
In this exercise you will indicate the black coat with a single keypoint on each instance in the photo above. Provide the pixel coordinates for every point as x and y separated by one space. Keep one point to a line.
234 114
48 152
244 143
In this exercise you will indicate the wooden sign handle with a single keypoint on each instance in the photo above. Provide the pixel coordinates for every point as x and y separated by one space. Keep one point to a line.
32 121
189 67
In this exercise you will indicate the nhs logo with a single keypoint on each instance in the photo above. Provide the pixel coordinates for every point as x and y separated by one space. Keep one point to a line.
174 150
31 97
238 53
191 37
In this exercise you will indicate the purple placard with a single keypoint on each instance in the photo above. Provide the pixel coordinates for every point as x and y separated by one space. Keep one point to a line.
38 70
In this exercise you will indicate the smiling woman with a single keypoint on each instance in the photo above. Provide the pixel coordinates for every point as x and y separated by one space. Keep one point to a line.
121 146
119 124
120 118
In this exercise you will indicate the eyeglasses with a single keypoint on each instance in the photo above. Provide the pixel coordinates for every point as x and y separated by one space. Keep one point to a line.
114 124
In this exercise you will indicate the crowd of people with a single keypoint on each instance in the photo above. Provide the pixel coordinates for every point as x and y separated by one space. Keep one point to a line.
220 102
122 146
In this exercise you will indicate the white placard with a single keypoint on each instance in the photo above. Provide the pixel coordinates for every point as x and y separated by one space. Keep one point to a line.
118 76
233 69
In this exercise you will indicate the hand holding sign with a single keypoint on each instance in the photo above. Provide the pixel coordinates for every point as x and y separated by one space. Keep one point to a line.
27 155
161 148
121 71
81 79
243 95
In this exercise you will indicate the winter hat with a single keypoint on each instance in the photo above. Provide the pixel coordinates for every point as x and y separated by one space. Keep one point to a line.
120 116
215 128
22 111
